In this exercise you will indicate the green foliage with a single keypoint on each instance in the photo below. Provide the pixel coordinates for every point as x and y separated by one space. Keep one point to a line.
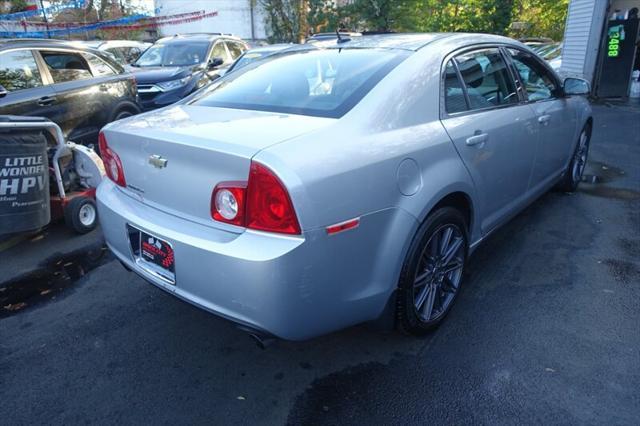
532 17
17 6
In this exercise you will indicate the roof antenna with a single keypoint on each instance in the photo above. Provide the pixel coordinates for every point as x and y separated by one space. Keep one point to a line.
340 38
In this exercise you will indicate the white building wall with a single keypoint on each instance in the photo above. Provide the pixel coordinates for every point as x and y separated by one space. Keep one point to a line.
582 35
234 16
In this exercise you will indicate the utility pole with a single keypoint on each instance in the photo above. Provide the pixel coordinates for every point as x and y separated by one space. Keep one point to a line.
46 21
252 7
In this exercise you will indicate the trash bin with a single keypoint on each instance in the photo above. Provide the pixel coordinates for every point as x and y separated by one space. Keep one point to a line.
24 177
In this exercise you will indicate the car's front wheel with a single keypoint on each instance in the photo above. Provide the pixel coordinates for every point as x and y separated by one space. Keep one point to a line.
573 175
432 272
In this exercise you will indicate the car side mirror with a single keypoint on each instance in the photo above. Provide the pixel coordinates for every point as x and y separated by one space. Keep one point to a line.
576 86
3 91
215 63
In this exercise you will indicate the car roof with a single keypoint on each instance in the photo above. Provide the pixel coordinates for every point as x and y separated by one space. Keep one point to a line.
113 43
271 48
406 41
197 36
12 43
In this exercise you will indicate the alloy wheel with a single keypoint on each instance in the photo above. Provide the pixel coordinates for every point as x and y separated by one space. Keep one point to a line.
580 157
439 272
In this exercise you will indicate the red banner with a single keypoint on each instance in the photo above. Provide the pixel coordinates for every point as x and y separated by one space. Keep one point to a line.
152 19
156 24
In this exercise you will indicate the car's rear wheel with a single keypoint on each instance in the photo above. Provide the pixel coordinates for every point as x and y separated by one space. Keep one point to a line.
573 175
432 272
122 114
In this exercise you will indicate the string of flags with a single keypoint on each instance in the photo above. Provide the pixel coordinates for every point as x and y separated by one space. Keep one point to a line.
52 9
134 22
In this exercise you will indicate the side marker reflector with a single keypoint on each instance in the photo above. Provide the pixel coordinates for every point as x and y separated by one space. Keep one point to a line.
343 226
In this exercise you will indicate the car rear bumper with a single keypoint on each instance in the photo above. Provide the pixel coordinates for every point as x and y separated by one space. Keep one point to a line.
291 287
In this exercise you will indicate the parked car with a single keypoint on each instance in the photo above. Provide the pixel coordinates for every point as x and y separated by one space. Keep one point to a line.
332 36
258 53
123 51
79 89
295 212
176 66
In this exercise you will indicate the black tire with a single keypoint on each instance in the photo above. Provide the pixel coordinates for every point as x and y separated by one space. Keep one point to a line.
409 317
81 215
122 114
573 175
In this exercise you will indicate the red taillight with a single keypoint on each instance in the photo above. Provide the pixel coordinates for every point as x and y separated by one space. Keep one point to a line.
262 203
269 207
111 161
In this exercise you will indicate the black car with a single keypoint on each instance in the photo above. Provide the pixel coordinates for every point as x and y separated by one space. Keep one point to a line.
176 66
78 88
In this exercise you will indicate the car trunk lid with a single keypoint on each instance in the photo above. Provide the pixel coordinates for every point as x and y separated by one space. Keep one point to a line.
173 158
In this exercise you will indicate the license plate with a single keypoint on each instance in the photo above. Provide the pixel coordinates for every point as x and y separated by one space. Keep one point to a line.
153 254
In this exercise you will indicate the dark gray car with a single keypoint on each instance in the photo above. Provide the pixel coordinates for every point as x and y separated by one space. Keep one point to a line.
79 89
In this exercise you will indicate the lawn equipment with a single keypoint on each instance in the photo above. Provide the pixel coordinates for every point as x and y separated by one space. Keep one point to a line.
44 178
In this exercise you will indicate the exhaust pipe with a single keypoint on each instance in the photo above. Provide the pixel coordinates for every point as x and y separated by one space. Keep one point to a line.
263 340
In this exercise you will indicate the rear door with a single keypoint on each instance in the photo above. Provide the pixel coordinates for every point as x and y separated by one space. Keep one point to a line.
26 91
555 119
493 131
112 89
76 93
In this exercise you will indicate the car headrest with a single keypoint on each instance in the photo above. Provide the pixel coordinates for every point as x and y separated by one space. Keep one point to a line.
295 87
472 72
75 65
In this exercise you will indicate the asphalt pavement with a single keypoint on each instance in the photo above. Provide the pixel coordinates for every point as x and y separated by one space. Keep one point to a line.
546 330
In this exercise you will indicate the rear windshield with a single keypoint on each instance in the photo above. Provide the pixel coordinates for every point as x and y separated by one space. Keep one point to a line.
316 82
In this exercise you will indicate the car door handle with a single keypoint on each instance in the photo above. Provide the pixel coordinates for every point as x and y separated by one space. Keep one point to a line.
544 119
46 100
103 87
478 138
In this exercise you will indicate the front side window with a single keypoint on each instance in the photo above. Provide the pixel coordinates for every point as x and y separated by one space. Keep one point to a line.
536 80
316 82
65 66
453 92
487 79
219 51
174 54
100 67
18 70
235 49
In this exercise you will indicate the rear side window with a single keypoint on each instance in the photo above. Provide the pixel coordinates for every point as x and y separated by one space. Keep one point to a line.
117 53
453 92
317 82
100 67
65 66
18 70
486 79
131 54
536 80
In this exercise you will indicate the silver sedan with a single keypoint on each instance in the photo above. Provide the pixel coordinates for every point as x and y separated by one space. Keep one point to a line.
344 182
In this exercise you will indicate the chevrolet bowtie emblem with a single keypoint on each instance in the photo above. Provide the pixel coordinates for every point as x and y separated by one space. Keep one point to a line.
158 161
